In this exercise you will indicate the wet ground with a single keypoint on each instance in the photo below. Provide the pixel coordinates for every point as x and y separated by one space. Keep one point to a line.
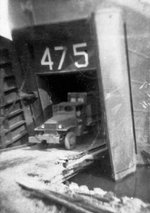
136 185
40 166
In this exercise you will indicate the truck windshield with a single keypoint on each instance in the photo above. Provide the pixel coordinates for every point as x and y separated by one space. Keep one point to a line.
64 108
68 108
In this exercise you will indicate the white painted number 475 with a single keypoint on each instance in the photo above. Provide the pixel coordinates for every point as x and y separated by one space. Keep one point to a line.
47 59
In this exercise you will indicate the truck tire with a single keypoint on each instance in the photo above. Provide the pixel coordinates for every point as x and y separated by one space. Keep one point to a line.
70 140
44 144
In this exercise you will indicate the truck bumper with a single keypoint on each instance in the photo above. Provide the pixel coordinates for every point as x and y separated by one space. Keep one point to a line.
49 138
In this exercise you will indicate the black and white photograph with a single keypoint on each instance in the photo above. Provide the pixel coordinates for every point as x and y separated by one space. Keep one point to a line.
74 106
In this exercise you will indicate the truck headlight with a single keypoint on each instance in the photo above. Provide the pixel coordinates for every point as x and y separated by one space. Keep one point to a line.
59 126
42 126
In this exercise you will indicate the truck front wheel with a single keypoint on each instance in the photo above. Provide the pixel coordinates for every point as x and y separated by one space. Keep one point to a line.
70 140
44 144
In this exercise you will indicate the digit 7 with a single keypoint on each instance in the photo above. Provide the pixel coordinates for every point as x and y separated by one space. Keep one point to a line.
64 50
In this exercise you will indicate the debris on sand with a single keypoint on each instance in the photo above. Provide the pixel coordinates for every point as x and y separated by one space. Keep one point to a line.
74 198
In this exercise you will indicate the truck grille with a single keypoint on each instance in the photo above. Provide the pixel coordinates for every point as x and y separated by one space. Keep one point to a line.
50 126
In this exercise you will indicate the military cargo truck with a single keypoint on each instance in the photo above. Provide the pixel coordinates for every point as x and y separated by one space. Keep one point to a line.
69 120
